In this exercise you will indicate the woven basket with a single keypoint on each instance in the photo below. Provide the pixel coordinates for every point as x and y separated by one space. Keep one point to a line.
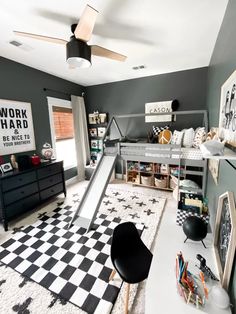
146 179
172 184
161 182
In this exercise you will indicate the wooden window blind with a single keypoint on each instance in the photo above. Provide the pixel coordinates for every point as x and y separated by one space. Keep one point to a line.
63 123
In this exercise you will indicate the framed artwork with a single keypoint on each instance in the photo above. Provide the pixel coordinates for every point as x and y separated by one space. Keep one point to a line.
6 167
101 132
16 127
94 144
158 107
227 115
93 132
225 236
103 117
97 118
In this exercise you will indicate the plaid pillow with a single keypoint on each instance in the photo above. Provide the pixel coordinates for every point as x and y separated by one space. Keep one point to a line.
156 130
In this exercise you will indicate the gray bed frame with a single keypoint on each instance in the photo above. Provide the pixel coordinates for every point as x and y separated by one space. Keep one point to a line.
136 152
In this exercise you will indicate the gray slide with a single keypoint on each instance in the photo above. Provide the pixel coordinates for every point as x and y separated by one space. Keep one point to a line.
91 200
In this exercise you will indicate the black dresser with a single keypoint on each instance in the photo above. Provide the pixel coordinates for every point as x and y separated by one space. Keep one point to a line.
21 191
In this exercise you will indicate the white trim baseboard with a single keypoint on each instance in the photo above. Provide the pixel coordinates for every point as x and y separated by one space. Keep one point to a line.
72 180
120 176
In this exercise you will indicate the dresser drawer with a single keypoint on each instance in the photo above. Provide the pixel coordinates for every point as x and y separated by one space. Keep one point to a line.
18 180
53 190
49 170
18 194
49 181
22 206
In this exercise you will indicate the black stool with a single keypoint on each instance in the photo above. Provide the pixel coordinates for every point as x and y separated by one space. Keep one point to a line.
129 255
195 229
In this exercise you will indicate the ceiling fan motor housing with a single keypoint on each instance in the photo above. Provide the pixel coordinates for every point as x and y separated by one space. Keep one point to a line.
78 53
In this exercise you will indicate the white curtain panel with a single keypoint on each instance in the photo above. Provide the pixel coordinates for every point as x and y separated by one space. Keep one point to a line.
81 135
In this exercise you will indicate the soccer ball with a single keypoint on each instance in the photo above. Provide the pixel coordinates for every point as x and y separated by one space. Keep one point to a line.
164 137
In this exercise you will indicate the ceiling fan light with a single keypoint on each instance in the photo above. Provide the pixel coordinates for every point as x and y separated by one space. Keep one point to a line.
78 62
78 53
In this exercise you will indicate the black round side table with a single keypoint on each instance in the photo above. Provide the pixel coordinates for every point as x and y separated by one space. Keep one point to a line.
195 229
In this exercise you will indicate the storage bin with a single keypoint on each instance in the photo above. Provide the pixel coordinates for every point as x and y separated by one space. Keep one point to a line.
184 211
147 179
173 183
161 182
183 214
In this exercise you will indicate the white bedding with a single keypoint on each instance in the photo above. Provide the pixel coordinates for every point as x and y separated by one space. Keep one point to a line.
191 153
187 152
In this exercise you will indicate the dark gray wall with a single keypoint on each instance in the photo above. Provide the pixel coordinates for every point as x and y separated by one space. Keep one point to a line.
223 63
22 83
130 96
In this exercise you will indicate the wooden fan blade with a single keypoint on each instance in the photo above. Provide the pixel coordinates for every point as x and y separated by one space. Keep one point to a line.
86 23
41 37
106 53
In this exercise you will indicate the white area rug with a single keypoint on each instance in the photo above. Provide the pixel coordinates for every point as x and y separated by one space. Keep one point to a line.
19 295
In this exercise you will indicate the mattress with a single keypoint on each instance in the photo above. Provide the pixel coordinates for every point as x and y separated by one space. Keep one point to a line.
186 152
191 153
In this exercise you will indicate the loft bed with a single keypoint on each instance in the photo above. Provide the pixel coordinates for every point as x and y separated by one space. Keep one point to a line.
190 160
128 149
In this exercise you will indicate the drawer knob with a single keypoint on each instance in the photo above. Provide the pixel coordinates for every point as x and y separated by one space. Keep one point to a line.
20 179
22 192
52 190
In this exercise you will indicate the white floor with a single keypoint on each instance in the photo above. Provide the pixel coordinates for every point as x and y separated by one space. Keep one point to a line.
158 294
141 297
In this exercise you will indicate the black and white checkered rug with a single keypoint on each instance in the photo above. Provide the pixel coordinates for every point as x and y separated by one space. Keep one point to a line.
183 214
69 262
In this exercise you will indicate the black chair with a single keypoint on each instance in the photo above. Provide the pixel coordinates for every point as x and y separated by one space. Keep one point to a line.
130 257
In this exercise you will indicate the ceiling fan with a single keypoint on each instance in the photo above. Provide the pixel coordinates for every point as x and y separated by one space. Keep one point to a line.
78 52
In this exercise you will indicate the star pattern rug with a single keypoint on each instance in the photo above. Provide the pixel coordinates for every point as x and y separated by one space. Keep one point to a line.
74 267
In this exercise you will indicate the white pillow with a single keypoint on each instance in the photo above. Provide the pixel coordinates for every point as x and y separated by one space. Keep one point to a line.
177 137
188 137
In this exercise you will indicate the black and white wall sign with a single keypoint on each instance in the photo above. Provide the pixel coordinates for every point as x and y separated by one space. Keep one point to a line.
158 107
16 127
227 118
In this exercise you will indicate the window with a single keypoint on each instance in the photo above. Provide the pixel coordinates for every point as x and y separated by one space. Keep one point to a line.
63 123
62 131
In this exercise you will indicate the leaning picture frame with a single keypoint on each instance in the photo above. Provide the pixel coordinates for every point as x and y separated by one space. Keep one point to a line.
6 167
225 237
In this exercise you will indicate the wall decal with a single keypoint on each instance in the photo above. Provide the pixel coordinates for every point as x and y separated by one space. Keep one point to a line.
227 116
161 107
16 127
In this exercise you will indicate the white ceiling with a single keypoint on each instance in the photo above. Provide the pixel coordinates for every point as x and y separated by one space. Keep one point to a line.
163 35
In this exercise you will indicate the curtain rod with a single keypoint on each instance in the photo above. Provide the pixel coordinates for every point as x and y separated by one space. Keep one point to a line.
57 91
